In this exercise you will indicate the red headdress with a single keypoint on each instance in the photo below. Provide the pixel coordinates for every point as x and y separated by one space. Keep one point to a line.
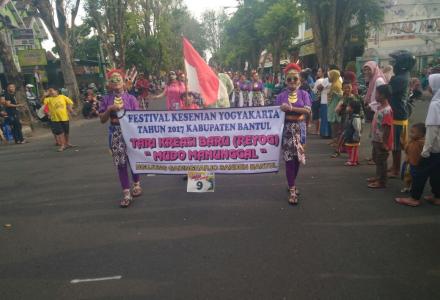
113 71
292 67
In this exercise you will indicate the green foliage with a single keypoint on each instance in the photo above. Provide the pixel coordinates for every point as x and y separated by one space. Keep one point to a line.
257 25
153 31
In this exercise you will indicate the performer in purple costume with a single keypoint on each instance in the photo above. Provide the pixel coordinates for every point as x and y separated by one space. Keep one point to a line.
111 104
296 104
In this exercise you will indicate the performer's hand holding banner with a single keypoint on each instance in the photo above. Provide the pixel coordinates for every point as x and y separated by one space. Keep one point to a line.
228 141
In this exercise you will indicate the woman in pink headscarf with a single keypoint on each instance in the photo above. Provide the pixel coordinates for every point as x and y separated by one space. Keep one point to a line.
374 76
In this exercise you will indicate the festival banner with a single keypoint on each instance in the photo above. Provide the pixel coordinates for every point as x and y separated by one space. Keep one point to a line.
222 141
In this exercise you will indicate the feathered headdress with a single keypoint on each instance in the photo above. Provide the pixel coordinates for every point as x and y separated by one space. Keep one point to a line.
292 68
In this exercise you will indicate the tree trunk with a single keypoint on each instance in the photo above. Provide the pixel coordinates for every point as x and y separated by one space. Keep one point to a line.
276 61
70 81
61 39
12 74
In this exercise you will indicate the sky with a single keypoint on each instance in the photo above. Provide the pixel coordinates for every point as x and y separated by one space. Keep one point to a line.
196 7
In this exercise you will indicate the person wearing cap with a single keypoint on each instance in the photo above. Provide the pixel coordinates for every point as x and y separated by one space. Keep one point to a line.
404 62
296 104
59 108
172 92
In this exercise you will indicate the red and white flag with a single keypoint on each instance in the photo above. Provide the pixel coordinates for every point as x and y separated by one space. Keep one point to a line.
202 79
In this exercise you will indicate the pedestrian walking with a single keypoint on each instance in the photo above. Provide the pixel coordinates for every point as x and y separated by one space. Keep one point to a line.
297 105
118 99
59 108
172 92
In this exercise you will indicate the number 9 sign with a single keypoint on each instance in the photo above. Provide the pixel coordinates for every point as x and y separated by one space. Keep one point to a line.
201 182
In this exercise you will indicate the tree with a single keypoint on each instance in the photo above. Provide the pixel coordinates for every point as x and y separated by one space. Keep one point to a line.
331 22
6 57
278 26
109 18
61 35
213 28
241 42
12 75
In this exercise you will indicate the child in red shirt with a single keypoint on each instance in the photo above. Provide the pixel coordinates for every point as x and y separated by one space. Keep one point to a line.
382 137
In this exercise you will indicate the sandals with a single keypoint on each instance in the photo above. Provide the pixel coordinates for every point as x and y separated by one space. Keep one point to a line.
350 164
408 202
376 185
433 200
336 154
371 179
293 197
127 200
136 191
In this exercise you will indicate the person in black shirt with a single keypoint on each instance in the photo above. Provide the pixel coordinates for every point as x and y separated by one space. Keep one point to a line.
404 62
13 114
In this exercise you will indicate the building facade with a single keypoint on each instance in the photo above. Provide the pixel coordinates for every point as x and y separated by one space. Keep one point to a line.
408 25
24 34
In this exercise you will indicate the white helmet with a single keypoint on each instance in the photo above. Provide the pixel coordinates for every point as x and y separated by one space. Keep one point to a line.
29 86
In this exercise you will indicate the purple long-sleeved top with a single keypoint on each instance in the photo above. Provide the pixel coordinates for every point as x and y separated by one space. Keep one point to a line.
244 86
303 99
257 86
130 103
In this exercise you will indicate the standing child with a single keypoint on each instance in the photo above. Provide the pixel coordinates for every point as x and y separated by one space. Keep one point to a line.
382 136
352 132
413 153
188 101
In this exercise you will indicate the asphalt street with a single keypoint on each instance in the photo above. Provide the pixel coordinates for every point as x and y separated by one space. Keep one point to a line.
242 242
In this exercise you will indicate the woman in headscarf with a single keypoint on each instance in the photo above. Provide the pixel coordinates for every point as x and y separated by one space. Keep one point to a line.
351 77
388 72
118 99
374 76
334 96
429 166
297 105
172 92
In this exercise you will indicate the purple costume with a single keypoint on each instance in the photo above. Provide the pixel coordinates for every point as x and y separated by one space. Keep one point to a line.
256 97
294 134
116 141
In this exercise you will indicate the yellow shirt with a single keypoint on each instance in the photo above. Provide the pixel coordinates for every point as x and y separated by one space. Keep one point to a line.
58 108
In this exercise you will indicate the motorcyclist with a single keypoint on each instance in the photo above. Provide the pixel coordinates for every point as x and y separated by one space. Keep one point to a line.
32 100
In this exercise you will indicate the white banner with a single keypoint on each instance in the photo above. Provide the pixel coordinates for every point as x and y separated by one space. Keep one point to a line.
223 141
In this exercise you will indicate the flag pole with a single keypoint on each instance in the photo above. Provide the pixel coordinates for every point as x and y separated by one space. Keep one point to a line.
186 73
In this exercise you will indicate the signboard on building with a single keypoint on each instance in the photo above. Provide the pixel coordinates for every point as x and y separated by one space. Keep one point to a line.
412 28
307 49
308 34
32 57
23 37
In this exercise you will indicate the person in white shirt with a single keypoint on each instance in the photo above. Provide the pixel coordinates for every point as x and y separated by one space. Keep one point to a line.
429 166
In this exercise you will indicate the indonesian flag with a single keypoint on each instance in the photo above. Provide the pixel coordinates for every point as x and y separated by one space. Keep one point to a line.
202 79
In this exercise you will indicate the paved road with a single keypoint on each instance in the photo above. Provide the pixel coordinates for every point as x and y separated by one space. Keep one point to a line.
242 242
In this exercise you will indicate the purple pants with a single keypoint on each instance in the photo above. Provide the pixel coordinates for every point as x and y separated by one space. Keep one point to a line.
123 176
292 168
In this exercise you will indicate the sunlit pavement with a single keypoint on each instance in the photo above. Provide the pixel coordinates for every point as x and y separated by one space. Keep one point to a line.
242 242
